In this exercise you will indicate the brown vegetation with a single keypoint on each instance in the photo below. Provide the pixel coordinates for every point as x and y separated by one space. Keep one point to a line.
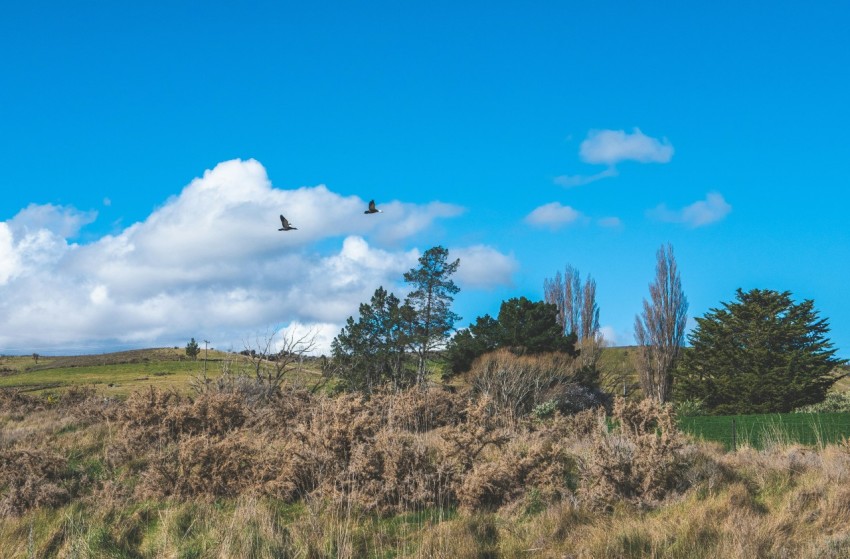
476 481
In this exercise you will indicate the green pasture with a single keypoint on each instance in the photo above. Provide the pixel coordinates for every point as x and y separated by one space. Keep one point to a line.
119 374
760 431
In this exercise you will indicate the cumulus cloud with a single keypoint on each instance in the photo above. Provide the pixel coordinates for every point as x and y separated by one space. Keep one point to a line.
703 212
61 221
610 147
208 263
484 267
553 215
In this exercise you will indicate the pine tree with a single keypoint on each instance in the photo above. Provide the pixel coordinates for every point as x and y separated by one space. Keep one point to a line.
371 351
759 354
193 349
432 319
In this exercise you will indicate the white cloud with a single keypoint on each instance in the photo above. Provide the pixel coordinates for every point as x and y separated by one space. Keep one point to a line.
609 335
570 181
553 215
610 147
610 222
484 267
703 212
208 263
9 259
61 221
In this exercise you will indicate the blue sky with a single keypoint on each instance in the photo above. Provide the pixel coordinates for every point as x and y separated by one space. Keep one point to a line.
524 138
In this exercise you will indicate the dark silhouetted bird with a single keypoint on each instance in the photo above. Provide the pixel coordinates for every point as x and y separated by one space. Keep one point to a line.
372 209
286 225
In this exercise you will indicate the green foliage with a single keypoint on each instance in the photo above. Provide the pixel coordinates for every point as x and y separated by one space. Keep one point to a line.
690 408
759 354
524 327
192 349
371 351
835 402
432 319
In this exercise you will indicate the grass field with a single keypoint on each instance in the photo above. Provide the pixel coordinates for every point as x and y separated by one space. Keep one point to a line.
118 374
83 484
761 431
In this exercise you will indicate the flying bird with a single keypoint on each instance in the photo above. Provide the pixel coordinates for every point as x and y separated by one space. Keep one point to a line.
372 209
286 225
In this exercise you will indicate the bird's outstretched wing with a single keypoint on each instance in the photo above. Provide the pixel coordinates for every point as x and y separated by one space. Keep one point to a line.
285 226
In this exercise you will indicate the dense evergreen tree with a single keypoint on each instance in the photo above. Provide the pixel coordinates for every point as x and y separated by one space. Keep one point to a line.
760 353
468 344
524 327
529 327
371 351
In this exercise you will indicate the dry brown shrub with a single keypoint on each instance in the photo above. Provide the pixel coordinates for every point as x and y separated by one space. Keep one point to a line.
336 425
15 401
31 478
536 461
640 461
584 423
483 427
290 406
395 472
291 470
203 466
420 409
516 383
158 416
489 485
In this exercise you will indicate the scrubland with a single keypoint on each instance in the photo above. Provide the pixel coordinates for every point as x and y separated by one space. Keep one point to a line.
424 472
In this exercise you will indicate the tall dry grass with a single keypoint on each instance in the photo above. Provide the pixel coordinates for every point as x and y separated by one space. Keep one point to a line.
421 473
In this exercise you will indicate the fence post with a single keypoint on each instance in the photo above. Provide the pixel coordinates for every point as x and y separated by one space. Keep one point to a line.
734 436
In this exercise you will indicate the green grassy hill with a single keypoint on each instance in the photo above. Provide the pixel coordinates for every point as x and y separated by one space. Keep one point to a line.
119 373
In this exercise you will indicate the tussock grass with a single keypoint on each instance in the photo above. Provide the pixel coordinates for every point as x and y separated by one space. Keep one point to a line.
424 473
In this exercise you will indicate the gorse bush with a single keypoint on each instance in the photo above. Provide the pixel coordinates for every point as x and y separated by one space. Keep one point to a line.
517 383
639 460
387 453
420 473
32 478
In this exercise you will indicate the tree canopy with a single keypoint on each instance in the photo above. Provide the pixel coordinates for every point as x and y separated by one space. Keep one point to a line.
193 349
431 299
371 351
761 353
524 327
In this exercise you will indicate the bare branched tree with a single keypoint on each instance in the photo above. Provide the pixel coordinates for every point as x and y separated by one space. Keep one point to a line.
660 328
273 356
578 313
270 358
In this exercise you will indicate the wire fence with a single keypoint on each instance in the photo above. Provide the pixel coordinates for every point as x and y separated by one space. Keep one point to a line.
760 431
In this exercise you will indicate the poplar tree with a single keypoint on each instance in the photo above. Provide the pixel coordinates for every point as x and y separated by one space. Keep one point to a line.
660 328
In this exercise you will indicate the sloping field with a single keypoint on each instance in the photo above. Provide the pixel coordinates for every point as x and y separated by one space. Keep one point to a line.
118 374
